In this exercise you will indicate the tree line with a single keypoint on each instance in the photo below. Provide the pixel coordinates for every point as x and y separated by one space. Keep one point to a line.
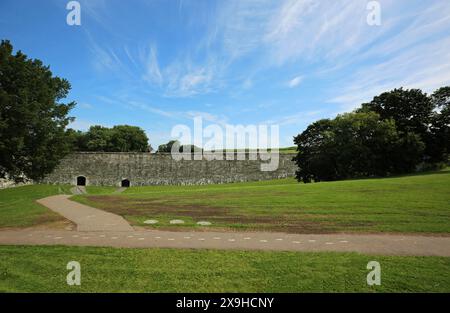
177 146
398 132
120 138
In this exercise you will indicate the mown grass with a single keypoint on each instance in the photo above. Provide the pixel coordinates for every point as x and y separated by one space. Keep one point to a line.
18 207
98 190
412 204
43 269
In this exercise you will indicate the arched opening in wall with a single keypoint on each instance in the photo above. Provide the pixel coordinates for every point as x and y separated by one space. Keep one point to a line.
81 181
125 183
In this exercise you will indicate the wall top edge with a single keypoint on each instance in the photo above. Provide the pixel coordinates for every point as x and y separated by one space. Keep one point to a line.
166 153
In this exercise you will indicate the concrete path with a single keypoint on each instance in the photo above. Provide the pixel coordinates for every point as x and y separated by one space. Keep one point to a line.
86 218
369 244
99 228
120 190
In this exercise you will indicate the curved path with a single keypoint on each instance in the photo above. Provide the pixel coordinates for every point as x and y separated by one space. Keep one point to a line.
87 218
99 228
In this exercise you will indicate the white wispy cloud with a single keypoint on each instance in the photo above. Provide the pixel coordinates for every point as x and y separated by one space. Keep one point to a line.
408 49
181 78
247 84
179 115
300 118
150 65
294 82
85 105
152 109
184 79
420 59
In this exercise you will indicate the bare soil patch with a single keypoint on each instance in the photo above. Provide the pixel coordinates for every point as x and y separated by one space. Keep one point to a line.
219 216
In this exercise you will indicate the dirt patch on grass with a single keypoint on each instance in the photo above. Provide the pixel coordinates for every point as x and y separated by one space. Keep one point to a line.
219 216
126 206
44 223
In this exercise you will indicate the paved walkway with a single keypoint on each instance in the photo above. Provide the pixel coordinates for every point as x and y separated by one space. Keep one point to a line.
99 228
369 244
86 218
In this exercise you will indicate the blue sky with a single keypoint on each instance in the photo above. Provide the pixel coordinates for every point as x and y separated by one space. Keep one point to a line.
156 64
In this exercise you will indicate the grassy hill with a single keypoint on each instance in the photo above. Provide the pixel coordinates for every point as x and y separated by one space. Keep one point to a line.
412 204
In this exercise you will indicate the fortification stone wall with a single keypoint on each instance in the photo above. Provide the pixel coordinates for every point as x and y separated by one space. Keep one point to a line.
109 169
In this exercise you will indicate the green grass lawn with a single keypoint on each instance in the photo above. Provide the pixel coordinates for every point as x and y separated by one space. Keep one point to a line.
43 269
412 204
19 209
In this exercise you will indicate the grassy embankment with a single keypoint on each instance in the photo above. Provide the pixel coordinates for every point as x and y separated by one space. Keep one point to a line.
417 203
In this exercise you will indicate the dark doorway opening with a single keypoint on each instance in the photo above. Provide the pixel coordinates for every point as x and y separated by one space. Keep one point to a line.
81 181
125 183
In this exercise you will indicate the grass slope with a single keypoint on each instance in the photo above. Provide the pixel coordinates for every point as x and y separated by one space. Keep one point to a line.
43 269
19 209
412 204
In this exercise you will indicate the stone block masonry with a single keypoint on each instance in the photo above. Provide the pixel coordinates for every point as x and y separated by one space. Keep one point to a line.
141 169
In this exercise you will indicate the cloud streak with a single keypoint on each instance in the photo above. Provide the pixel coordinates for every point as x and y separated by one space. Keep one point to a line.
294 82
257 48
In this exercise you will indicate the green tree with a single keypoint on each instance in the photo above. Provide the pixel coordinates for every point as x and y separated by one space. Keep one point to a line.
129 138
413 112
316 155
438 143
98 138
167 148
32 117
411 109
120 138
77 139
354 145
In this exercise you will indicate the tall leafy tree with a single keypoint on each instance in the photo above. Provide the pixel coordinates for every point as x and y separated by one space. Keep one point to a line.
129 138
77 140
413 112
417 114
316 154
354 145
120 138
167 147
33 117
438 145
411 109
98 138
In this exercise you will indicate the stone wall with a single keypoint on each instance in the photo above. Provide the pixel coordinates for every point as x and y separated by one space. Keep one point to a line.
109 169
8 183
